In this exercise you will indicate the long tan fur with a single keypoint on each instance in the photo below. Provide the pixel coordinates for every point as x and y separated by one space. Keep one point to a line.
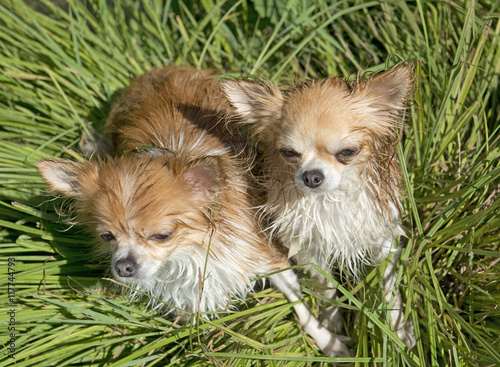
172 204
333 181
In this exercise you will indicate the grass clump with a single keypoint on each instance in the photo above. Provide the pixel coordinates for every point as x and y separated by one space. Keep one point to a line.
61 66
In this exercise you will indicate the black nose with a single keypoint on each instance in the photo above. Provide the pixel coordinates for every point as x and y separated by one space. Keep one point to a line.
313 178
125 268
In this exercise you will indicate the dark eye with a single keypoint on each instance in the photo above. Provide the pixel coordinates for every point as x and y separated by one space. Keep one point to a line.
160 237
290 154
345 154
108 237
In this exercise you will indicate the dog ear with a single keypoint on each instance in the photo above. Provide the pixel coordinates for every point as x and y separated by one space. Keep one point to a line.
256 103
62 176
203 178
390 89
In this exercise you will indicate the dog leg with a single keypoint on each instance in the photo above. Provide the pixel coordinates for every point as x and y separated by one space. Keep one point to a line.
330 316
331 344
404 329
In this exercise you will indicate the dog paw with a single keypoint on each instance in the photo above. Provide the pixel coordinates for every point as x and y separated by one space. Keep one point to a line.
331 344
407 334
331 318
337 347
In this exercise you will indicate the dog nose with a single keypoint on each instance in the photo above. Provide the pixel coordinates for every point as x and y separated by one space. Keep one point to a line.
313 178
125 268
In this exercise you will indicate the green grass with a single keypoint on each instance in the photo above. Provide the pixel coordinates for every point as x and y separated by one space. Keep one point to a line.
60 71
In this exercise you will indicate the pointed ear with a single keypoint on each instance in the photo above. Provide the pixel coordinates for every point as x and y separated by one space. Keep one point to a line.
256 103
203 178
390 89
62 176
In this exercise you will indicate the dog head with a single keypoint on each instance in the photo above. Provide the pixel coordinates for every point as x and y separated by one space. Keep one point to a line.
142 209
327 134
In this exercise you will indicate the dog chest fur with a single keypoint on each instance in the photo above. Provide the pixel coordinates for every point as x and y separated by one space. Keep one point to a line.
343 227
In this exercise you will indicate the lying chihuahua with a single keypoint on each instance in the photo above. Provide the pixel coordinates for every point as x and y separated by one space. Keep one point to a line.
172 204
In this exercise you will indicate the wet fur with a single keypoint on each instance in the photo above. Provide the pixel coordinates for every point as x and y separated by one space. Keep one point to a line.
173 201
333 178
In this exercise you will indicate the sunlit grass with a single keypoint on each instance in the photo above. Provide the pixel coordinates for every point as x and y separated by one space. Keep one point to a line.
62 67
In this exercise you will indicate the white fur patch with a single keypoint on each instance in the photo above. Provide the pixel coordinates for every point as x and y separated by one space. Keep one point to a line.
343 227
177 283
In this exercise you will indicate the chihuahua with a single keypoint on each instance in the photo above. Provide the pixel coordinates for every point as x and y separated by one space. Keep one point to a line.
332 177
171 205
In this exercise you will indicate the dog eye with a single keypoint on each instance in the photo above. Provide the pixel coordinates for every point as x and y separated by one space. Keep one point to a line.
108 237
160 237
345 154
290 154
